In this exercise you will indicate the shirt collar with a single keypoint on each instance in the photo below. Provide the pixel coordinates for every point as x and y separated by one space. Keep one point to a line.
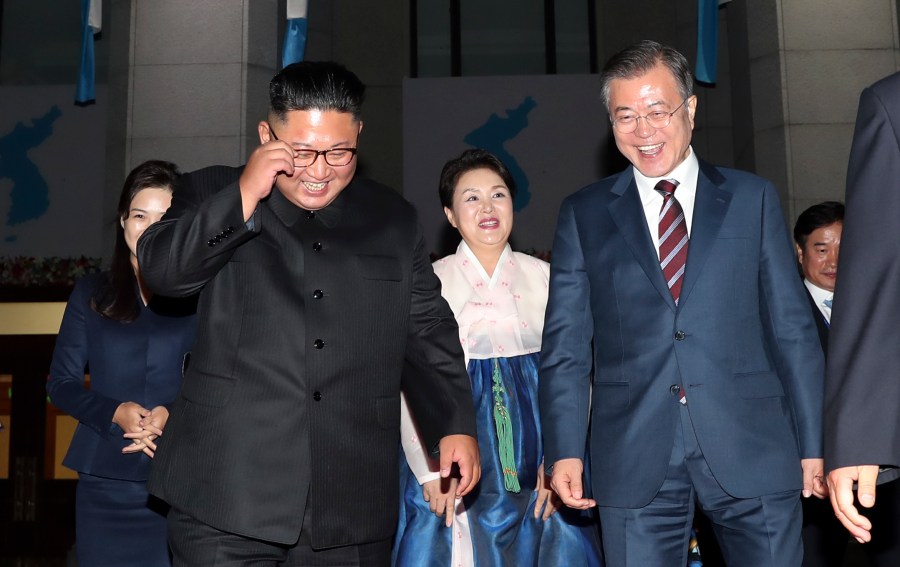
491 280
289 213
685 173
818 294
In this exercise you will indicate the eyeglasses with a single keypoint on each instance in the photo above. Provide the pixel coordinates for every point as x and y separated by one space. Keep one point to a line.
628 123
335 157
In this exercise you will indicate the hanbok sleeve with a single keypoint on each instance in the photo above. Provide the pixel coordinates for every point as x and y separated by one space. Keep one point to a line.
422 466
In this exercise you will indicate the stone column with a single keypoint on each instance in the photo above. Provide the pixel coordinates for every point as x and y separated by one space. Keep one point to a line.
188 82
809 60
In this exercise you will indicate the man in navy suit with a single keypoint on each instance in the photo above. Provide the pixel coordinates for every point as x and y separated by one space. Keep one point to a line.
703 385
817 237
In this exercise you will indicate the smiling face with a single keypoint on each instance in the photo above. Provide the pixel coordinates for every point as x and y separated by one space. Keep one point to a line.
819 256
316 186
654 152
482 210
147 207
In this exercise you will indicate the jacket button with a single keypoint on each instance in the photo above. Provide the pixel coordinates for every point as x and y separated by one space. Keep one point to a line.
310 214
679 336
675 389
229 230
319 343
318 294
317 246
211 242
317 396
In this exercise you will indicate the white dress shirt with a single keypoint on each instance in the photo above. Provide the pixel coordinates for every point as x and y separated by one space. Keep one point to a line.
685 174
819 295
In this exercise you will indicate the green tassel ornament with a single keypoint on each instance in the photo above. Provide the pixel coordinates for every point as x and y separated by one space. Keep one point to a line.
504 435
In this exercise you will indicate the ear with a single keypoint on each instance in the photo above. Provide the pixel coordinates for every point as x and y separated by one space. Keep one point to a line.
692 109
265 134
358 132
122 222
449 212
799 253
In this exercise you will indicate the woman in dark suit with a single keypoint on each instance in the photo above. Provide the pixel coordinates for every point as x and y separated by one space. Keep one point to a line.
135 344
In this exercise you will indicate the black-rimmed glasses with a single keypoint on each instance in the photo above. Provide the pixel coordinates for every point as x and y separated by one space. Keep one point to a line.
335 157
659 119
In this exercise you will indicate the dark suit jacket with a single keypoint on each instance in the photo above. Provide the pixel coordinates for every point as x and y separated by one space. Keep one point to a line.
741 341
292 398
862 399
821 323
140 361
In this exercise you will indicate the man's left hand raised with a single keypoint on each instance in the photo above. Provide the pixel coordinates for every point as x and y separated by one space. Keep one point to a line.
462 450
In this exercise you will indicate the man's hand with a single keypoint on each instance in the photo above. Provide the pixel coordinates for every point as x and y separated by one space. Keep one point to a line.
546 498
440 493
840 483
462 450
263 167
567 483
814 478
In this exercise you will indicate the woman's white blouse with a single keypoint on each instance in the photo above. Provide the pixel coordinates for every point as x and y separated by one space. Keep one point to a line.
501 315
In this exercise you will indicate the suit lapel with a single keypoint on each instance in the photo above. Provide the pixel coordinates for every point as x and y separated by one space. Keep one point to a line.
628 213
710 206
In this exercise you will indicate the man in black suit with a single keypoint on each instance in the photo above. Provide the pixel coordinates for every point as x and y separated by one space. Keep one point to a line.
817 236
317 300
862 388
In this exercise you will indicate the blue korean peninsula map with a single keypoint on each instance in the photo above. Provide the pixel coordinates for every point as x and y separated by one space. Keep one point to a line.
492 136
30 194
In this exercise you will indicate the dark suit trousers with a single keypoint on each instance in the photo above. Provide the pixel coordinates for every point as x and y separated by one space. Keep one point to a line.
751 532
825 539
884 549
194 543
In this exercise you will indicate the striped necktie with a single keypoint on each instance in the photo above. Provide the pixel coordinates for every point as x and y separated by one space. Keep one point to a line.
673 238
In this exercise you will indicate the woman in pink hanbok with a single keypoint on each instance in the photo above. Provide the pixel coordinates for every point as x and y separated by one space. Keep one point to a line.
498 297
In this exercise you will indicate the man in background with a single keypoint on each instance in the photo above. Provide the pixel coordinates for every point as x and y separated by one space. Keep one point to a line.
817 236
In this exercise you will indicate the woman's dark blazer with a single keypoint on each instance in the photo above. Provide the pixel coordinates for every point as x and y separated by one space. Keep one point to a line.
140 361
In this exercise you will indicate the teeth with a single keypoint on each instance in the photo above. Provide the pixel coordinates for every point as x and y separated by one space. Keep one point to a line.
650 149
314 186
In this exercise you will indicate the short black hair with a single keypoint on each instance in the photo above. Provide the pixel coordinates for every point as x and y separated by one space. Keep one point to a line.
817 216
316 85
467 161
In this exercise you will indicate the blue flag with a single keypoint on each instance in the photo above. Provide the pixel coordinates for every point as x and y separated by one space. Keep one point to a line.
90 25
295 33
707 38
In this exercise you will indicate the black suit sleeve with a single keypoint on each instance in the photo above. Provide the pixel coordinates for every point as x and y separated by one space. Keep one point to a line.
199 233
435 380
862 402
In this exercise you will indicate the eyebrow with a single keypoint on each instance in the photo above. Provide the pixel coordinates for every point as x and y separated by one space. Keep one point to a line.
140 210
651 105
